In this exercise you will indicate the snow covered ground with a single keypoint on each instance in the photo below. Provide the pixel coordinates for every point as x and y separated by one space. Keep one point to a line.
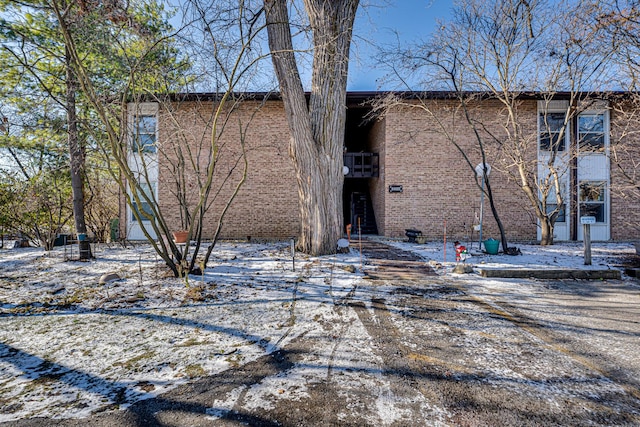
70 346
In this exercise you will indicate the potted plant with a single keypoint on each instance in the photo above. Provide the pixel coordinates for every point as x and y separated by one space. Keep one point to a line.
491 246
180 236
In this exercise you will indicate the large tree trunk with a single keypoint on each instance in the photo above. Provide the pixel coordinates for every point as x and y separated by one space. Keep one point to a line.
317 128
76 160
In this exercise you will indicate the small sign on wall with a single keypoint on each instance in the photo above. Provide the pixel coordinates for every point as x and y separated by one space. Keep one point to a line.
395 189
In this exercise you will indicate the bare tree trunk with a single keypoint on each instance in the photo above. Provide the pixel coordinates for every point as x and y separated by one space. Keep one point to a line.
546 237
539 205
496 216
317 128
76 158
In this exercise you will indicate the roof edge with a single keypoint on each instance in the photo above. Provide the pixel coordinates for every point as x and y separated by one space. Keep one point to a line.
354 97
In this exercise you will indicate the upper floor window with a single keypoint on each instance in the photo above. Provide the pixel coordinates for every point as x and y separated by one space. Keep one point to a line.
144 137
591 132
552 131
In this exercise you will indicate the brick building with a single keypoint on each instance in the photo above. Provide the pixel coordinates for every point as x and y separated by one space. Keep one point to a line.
404 169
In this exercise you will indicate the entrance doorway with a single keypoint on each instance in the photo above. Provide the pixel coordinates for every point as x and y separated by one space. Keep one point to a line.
362 166
358 207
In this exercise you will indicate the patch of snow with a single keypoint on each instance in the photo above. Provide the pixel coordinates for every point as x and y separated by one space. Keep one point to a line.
222 407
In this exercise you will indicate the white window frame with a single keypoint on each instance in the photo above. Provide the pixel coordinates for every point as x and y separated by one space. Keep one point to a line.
136 111
605 131
601 200
589 133
543 117
589 157
552 107
562 229
140 134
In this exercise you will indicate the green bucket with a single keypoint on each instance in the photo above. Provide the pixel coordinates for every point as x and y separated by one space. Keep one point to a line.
491 246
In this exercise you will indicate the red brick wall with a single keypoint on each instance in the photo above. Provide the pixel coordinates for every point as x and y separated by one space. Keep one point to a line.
438 184
625 172
377 188
267 204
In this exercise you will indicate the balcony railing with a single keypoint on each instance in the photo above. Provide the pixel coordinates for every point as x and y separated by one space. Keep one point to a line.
362 165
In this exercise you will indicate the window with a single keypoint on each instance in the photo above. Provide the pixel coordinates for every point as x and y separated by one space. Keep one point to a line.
144 209
592 199
144 138
552 131
591 132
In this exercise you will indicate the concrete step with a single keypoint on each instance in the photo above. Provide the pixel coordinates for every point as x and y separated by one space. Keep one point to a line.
560 273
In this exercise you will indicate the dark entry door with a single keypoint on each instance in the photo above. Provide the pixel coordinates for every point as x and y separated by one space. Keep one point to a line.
362 208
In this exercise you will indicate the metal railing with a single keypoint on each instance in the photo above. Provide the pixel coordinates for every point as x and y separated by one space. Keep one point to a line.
362 165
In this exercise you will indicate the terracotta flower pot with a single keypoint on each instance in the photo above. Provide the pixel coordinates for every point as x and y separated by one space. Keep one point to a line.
180 236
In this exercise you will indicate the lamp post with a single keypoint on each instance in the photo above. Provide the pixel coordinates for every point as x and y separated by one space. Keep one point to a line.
480 170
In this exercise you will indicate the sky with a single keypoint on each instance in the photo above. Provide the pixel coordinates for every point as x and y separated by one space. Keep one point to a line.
384 22
379 23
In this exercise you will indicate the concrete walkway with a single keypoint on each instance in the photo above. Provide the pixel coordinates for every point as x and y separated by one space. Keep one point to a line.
388 262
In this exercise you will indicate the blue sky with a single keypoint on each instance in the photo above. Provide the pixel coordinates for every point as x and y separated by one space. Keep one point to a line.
383 23
379 23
